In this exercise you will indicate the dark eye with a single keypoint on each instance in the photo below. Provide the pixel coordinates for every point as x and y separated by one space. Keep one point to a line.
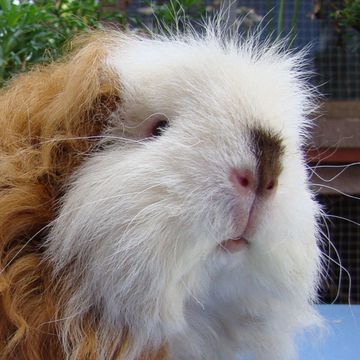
159 127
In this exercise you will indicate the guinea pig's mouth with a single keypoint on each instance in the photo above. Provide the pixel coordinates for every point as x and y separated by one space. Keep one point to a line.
234 245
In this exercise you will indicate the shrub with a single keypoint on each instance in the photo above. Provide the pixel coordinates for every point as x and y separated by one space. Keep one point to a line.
34 32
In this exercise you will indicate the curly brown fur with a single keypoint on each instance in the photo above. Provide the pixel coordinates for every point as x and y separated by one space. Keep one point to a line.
48 120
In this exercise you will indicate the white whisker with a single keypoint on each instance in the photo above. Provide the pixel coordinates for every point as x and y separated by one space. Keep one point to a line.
337 190
343 218
23 247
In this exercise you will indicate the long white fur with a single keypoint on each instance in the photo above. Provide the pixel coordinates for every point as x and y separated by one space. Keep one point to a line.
142 220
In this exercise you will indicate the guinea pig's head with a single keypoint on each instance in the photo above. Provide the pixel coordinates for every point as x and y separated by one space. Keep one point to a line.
201 170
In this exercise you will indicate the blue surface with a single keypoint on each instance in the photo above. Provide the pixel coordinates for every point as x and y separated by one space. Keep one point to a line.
341 341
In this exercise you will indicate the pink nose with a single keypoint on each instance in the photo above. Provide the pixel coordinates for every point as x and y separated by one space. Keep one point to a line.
245 180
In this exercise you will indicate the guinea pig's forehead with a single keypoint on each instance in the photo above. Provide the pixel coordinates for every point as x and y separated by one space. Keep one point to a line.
219 85
159 66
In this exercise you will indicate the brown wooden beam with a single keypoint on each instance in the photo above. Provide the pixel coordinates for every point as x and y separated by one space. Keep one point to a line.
333 156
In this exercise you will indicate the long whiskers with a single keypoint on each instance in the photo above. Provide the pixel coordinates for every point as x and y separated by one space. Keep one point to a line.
344 168
327 217
337 262
344 218
337 191
23 247
65 139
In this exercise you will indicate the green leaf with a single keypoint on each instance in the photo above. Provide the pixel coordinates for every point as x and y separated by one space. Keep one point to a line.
5 4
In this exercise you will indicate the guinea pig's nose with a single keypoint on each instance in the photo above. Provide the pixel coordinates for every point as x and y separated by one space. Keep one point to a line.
243 180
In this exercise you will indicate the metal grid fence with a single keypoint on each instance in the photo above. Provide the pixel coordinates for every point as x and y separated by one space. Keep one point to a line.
335 53
345 235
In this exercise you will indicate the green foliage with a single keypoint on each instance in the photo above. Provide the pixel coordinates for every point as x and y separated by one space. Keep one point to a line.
186 9
349 15
281 17
347 20
34 32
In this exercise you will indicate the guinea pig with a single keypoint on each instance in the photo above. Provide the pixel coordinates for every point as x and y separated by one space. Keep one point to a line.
155 202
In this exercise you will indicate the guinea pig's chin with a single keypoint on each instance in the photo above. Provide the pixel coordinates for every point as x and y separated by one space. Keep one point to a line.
234 245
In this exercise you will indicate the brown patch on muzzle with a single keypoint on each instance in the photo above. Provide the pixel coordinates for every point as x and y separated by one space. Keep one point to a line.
268 149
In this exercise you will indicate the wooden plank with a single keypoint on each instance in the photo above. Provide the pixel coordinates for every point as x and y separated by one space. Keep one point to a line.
338 125
333 156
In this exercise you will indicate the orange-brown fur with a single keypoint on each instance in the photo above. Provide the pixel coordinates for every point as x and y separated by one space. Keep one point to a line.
46 119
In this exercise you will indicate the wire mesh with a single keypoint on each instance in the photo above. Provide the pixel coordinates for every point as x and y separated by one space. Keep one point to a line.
336 60
344 233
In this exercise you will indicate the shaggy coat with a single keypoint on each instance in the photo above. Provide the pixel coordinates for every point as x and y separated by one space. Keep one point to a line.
154 202
50 119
